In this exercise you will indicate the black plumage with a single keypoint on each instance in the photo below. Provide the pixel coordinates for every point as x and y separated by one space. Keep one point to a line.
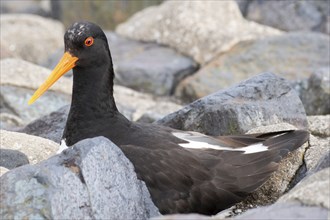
181 176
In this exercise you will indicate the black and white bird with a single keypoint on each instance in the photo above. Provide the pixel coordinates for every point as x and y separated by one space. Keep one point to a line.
184 171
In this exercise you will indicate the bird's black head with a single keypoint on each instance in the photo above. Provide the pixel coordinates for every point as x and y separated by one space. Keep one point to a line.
88 43
87 52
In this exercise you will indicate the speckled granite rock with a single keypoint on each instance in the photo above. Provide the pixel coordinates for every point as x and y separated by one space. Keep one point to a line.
319 125
92 180
199 29
11 159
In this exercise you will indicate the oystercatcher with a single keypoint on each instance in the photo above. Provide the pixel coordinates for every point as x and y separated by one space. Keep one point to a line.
184 171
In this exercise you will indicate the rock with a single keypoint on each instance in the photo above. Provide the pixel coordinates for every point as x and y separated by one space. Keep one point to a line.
317 149
92 180
184 217
9 121
11 159
49 126
42 36
315 92
285 211
3 170
148 67
198 29
290 15
26 7
261 100
20 79
319 125
292 56
311 191
279 182
35 148
323 163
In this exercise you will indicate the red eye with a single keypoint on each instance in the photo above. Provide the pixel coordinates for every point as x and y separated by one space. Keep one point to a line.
89 41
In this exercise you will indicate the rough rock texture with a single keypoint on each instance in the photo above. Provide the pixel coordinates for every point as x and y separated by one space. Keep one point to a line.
292 56
35 148
291 15
285 211
319 125
261 100
324 162
200 29
3 170
315 92
94 180
317 149
312 191
11 159
41 36
148 67
49 126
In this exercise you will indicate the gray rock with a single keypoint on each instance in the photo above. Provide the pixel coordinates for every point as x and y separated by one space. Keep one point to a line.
199 29
318 147
319 125
35 148
92 180
49 126
261 100
17 98
8 121
285 211
11 159
3 170
290 15
294 56
42 36
315 92
323 163
311 191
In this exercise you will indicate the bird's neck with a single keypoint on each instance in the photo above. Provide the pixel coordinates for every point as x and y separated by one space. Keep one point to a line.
92 103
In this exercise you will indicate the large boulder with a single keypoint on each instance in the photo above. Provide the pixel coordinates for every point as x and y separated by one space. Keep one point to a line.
294 56
92 180
261 100
290 15
30 37
199 29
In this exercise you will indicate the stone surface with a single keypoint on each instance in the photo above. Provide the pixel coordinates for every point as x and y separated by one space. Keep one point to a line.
285 211
11 159
49 126
324 162
148 67
35 148
261 100
279 182
292 56
42 36
319 125
312 191
290 15
199 29
315 92
7 120
92 180
317 149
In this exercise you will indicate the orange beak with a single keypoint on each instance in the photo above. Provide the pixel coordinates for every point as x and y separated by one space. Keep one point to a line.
66 63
